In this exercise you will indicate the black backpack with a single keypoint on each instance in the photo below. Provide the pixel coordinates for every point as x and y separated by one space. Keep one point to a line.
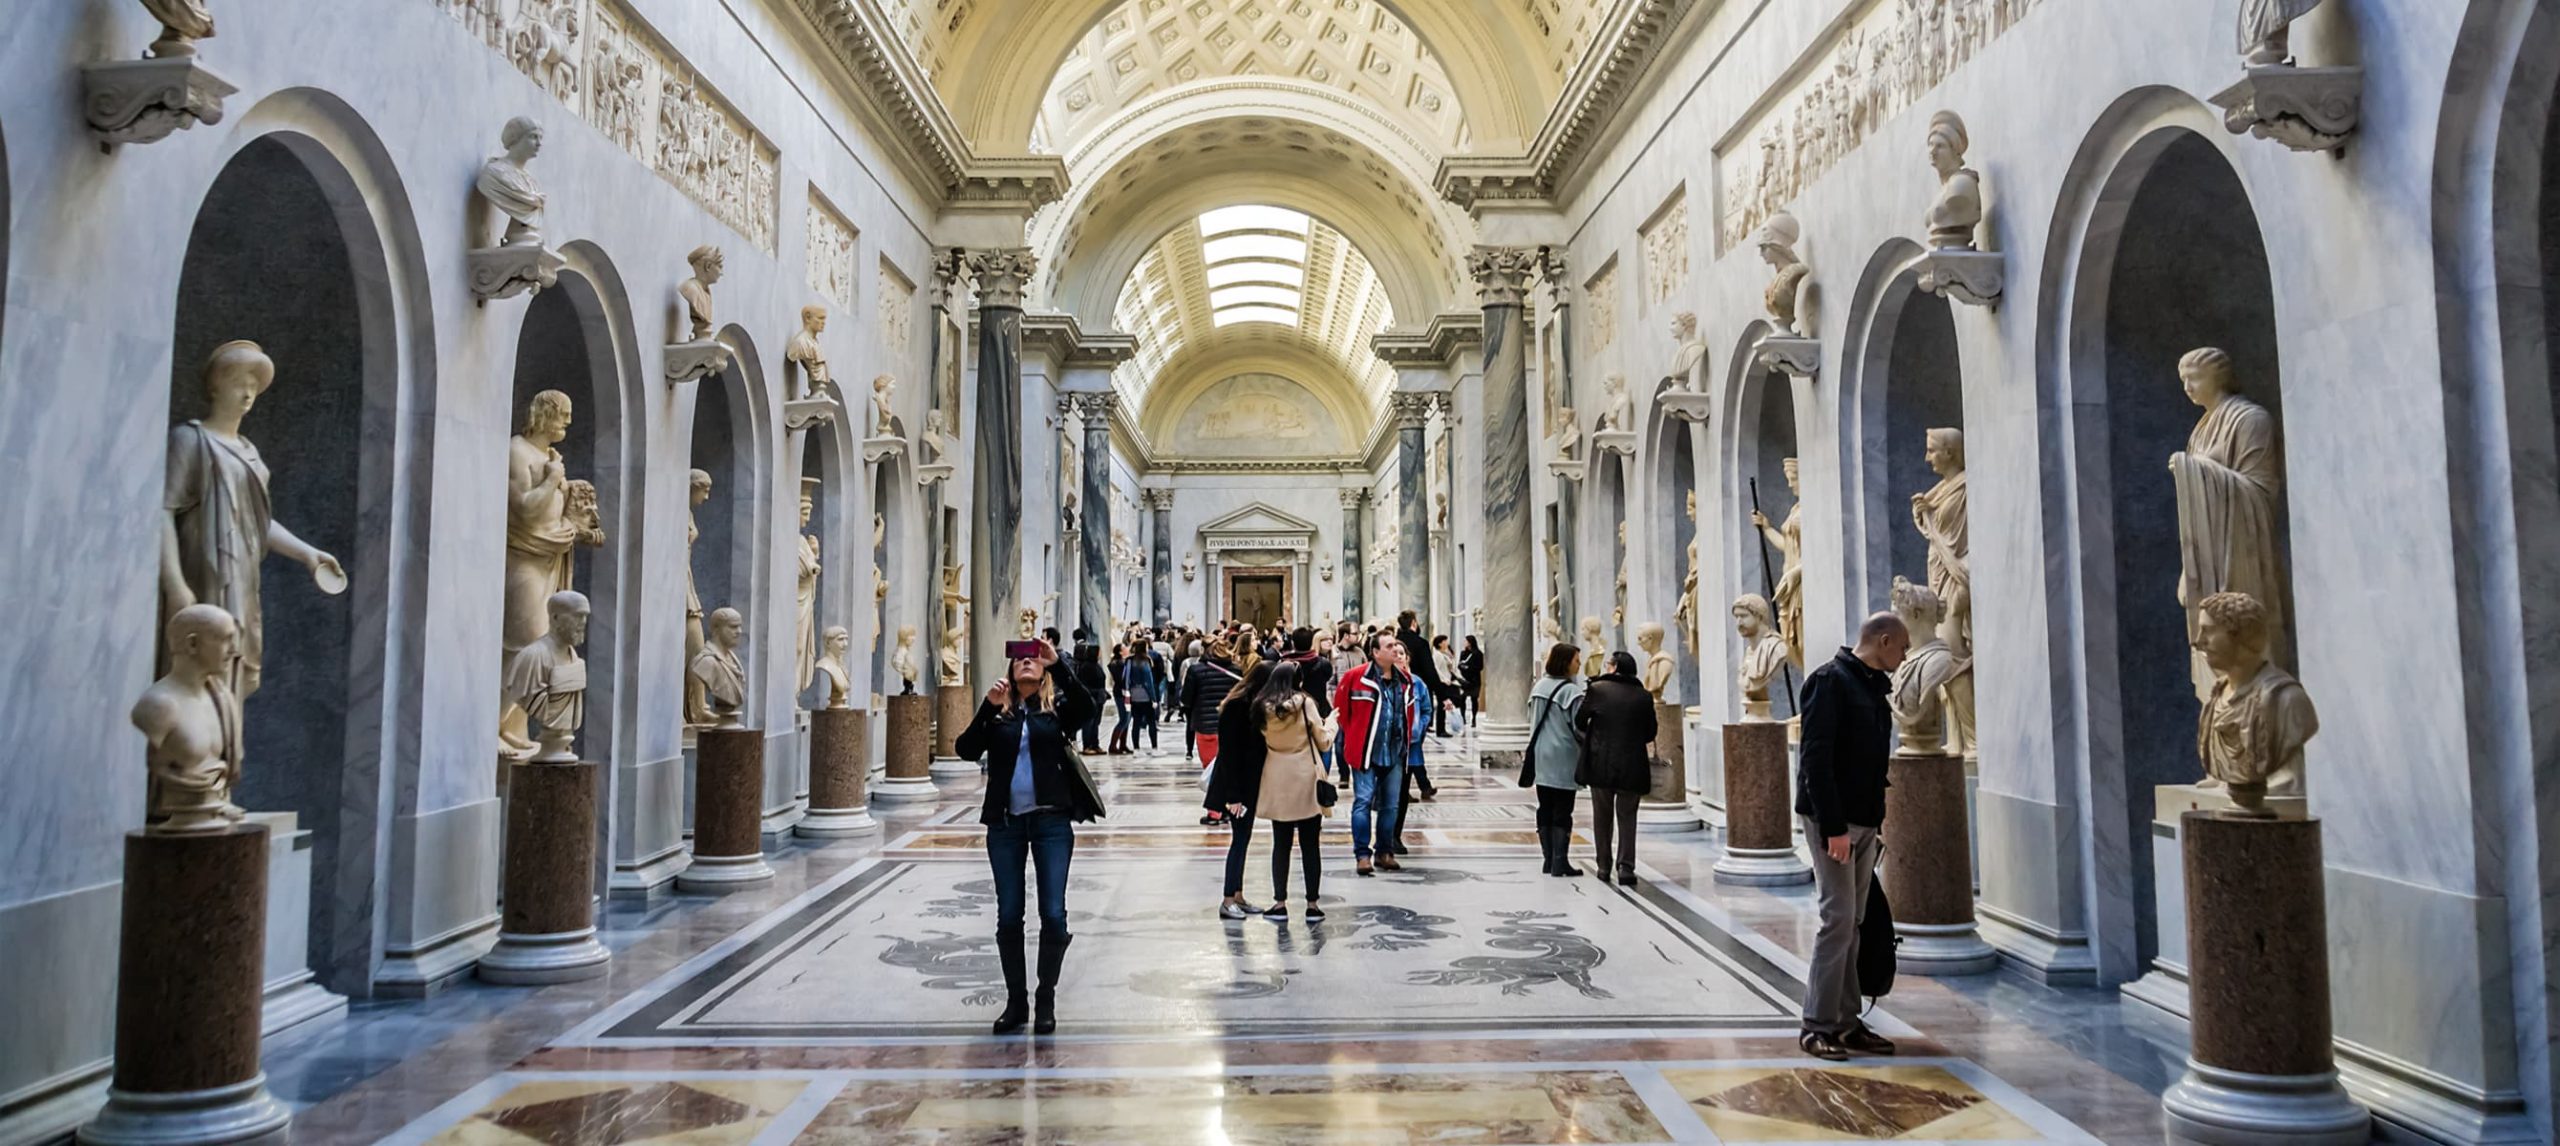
1876 944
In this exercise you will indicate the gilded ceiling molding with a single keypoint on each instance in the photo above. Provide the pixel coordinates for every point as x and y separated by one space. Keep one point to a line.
924 137
1600 91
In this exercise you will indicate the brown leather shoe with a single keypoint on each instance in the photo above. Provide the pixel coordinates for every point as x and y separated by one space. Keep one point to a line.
1364 868
1388 862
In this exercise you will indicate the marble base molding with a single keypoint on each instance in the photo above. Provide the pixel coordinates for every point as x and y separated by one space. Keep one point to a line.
546 929
728 836
190 979
2031 904
2261 1069
1665 809
1928 869
839 776
1760 845
444 897
910 776
953 707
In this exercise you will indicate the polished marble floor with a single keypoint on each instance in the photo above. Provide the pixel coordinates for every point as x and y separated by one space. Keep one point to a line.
1466 999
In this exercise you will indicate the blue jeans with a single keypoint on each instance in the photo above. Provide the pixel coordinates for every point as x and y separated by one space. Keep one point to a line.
1047 838
1379 792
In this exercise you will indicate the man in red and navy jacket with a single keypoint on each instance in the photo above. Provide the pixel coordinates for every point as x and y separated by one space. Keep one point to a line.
1381 712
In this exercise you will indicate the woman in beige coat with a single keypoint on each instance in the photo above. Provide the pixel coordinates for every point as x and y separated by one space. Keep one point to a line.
1294 739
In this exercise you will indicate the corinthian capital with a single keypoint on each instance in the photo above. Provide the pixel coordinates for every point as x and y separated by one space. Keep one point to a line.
1094 406
1502 274
1001 273
1353 496
1412 407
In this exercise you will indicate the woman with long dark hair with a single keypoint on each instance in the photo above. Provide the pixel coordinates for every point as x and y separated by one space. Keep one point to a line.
1294 740
1471 677
1235 776
1036 794
1555 755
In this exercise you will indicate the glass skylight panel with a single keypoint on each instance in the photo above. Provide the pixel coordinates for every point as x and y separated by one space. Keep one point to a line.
1277 274
1231 316
1273 295
1234 247
1252 218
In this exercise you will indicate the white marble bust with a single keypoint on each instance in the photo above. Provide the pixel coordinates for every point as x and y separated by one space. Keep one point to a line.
182 23
1764 653
884 418
831 667
707 263
1688 366
720 676
190 721
1918 696
1658 665
510 188
1617 409
1777 242
902 660
2257 717
1595 653
548 679
1957 211
816 380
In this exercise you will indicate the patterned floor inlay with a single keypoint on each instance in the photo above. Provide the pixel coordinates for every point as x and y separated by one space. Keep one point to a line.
1846 1104
694 1112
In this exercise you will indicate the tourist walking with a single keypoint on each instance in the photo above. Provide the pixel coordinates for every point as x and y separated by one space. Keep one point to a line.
1378 708
1036 794
1617 730
1235 778
1445 662
1095 682
1138 687
1204 688
1409 634
1555 755
1293 739
1840 782
1471 677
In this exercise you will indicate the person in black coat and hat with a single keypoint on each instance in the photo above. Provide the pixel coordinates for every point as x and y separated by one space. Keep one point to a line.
1035 796
1617 729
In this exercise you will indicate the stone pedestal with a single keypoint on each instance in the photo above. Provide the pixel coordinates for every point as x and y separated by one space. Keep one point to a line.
1666 808
2260 1069
728 812
190 976
1928 869
2164 986
1759 821
953 706
839 775
910 778
547 933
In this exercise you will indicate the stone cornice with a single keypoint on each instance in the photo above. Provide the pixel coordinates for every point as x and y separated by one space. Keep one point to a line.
1628 44
928 141
1064 340
1434 345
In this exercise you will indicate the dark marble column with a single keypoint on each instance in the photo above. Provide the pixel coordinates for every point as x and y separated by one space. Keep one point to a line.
728 812
839 775
1355 562
910 755
548 931
1929 869
1160 556
995 538
1093 564
190 977
1502 278
1412 411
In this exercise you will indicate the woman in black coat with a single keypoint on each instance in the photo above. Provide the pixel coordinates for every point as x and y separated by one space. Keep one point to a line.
1616 723
1471 678
1095 680
1235 778
1035 797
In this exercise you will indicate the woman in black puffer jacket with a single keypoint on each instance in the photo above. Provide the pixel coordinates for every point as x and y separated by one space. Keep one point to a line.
1205 688
1235 780
1617 729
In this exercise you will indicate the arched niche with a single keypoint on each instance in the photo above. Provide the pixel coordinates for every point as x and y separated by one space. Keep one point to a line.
1904 379
284 252
733 548
1671 532
1760 438
1608 603
890 543
832 504
2168 258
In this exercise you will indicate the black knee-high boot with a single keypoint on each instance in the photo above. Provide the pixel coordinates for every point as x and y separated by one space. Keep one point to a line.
1546 850
1053 954
1016 1007
1563 838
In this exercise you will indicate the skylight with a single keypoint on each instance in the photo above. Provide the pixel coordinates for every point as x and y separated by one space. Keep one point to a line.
1276 274
1231 315
1255 218
1256 258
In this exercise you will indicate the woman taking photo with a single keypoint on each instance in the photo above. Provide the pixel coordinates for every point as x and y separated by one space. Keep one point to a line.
1617 759
1035 796
1235 780
1292 740
1555 755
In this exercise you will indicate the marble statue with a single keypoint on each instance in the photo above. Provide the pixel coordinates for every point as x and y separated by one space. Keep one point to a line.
935 444
1564 444
1439 509
1940 516
699 486
541 536
1595 652
831 667
1658 665
1764 653
696 291
902 660
1788 540
220 525
1685 614
816 380
1918 695
1617 410
182 23
955 625
190 721
2257 716
510 188
719 678
1777 242
2266 30
884 419
1190 565
1028 627
1688 367
2230 485
1618 587
1555 588
805 592
1957 211
879 580
548 680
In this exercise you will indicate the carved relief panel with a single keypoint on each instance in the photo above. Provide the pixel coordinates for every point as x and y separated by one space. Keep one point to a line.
1666 249
897 301
831 249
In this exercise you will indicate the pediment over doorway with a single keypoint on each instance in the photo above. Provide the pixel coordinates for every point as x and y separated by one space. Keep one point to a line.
1258 526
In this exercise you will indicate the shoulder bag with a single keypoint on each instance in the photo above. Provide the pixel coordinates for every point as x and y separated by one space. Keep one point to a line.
1529 755
1326 794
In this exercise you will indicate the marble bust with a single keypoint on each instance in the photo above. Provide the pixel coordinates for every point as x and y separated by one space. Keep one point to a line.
955 624
190 720
1777 242
803 351
935 444
832 670
182 23
1918 695
1957 211
1190 565
1658 664
902 660
1564 445
1939 514
696 291
510 188
720 677
1027 626
548 679
220 525
2266 30
1595 656
1617 410
1687 367
884 419
2257 716
2230 488
1764 653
